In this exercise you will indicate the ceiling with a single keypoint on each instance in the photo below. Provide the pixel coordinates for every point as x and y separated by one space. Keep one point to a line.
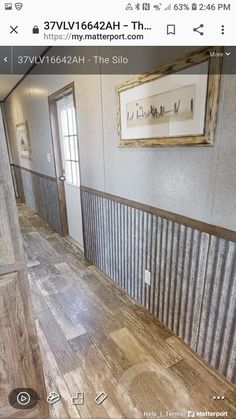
9 81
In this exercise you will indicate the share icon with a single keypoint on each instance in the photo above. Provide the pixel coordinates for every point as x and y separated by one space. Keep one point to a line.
198 29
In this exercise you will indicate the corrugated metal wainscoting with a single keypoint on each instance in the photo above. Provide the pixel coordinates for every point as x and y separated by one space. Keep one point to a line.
193 284
40 193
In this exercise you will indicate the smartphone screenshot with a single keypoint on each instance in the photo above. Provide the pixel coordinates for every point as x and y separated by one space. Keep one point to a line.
117 209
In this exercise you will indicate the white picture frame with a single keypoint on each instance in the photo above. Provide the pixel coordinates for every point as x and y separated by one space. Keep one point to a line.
23 140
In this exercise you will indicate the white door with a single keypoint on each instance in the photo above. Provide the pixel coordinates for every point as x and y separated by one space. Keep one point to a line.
70 162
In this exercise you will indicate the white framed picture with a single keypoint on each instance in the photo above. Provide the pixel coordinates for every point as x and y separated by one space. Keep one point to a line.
23 139
171 106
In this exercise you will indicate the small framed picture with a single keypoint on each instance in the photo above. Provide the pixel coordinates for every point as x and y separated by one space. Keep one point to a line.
175 105
23 140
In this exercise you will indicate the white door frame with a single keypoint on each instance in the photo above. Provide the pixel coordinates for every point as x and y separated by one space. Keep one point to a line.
52 102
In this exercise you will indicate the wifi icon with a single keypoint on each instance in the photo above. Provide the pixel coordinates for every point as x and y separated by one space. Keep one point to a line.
18 6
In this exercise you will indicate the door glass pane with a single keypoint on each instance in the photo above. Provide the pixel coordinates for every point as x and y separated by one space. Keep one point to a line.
71 121
69 139
64 122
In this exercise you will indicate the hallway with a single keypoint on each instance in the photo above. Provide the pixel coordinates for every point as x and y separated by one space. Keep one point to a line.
95 338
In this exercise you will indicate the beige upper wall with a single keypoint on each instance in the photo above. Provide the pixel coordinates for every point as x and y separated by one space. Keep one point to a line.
196 182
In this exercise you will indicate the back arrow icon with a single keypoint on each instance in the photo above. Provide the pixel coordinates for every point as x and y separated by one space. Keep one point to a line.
5 59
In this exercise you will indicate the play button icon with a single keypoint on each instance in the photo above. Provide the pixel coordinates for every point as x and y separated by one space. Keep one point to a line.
23 398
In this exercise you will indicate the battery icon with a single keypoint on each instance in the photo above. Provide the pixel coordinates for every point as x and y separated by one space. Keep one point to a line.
194 6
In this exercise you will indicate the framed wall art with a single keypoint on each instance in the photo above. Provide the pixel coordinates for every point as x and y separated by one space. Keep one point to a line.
176 105
23 139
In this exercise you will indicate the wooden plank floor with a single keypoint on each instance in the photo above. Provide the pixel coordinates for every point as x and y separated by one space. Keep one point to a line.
94 338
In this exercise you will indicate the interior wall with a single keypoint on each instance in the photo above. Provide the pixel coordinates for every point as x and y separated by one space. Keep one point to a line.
197 182
29 102
193 181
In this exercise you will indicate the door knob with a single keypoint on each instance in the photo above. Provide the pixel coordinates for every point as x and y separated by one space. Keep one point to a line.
63 178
